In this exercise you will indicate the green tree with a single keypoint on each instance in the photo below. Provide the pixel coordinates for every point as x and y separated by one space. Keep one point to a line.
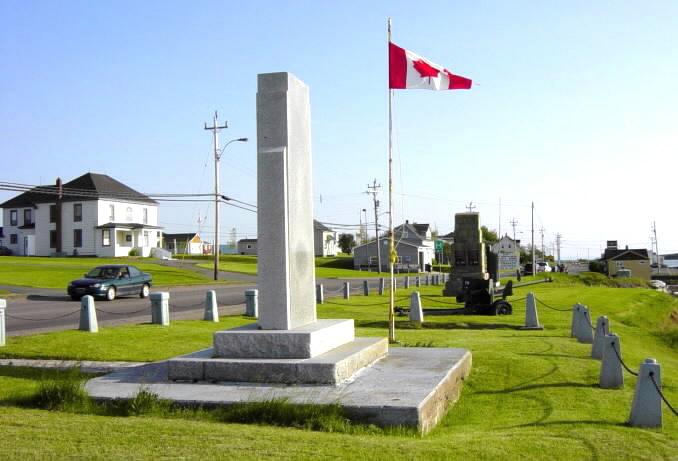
346 243
489 236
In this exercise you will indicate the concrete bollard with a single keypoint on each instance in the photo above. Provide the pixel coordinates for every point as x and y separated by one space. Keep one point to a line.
646 409
381 286
88 315
407 281
211 309
611 373
531 315
347 290
417 281
252 302
319 294
366 288
416 310
3 332
160 308
585 332
576 312
602 330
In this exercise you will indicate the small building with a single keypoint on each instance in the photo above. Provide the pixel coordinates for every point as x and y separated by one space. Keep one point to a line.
247 246
324 240
414 246
508 255
189 243
636 260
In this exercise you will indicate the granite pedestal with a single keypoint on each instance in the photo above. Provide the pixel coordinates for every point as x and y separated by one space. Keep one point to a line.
409 387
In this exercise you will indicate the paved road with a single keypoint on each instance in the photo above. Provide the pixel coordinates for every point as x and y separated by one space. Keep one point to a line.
35 310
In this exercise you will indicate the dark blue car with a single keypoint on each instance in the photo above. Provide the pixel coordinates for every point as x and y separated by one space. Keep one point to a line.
111 281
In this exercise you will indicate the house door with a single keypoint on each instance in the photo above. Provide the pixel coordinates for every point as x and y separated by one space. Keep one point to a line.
29 245
421 261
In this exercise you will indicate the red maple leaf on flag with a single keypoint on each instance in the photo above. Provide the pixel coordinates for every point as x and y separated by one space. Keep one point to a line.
425 69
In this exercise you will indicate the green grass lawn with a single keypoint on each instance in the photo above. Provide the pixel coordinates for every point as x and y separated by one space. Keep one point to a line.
57 272
530 395
325 267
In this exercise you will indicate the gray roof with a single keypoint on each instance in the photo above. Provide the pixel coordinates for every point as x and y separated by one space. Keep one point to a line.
317 225
90 186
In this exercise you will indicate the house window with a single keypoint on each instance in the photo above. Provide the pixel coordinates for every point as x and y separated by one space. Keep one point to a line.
13 239
145 215
28 217
249 246
145 238
128 214
77 212
52 239
52 213
111 213
106 237
13 217
77 238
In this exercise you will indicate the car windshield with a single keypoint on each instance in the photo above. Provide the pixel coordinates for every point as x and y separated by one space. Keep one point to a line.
103 273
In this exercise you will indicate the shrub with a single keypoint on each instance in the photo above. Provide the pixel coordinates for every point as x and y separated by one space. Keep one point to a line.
134 252
61 394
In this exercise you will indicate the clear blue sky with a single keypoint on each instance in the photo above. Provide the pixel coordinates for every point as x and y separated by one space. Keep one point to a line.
574 106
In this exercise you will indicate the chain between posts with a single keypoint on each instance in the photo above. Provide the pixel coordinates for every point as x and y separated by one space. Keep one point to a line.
41 320
428 298
661 394
614 348
120 313
232 304
588 320
368 305
176 306
550 307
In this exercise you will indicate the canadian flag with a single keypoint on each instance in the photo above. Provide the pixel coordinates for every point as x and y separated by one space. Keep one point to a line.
408 70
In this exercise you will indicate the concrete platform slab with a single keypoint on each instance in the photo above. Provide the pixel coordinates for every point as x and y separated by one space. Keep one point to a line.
409 387
332 367
303 342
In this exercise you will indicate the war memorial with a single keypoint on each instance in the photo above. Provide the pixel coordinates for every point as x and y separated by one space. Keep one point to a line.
289 353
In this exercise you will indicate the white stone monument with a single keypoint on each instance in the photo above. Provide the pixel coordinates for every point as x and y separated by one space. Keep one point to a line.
287 326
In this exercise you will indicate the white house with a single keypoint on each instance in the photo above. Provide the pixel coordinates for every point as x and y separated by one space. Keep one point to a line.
186 243
508 254
92 215
324 240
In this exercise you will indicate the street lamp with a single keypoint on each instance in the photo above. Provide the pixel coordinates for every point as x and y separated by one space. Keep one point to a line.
217 157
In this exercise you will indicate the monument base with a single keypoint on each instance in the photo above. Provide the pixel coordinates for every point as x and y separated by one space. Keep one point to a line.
311 340
333 367
411 386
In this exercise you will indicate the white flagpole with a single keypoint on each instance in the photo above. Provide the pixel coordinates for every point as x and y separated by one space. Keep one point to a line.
392 251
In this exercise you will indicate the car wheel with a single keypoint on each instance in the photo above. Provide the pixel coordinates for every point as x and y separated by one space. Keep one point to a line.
145 290
502 308
110 294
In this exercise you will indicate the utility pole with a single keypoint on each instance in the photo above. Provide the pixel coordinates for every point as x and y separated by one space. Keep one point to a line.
514 223
558 241
543 253
374 190
215 134
534 260
499 218
656 245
